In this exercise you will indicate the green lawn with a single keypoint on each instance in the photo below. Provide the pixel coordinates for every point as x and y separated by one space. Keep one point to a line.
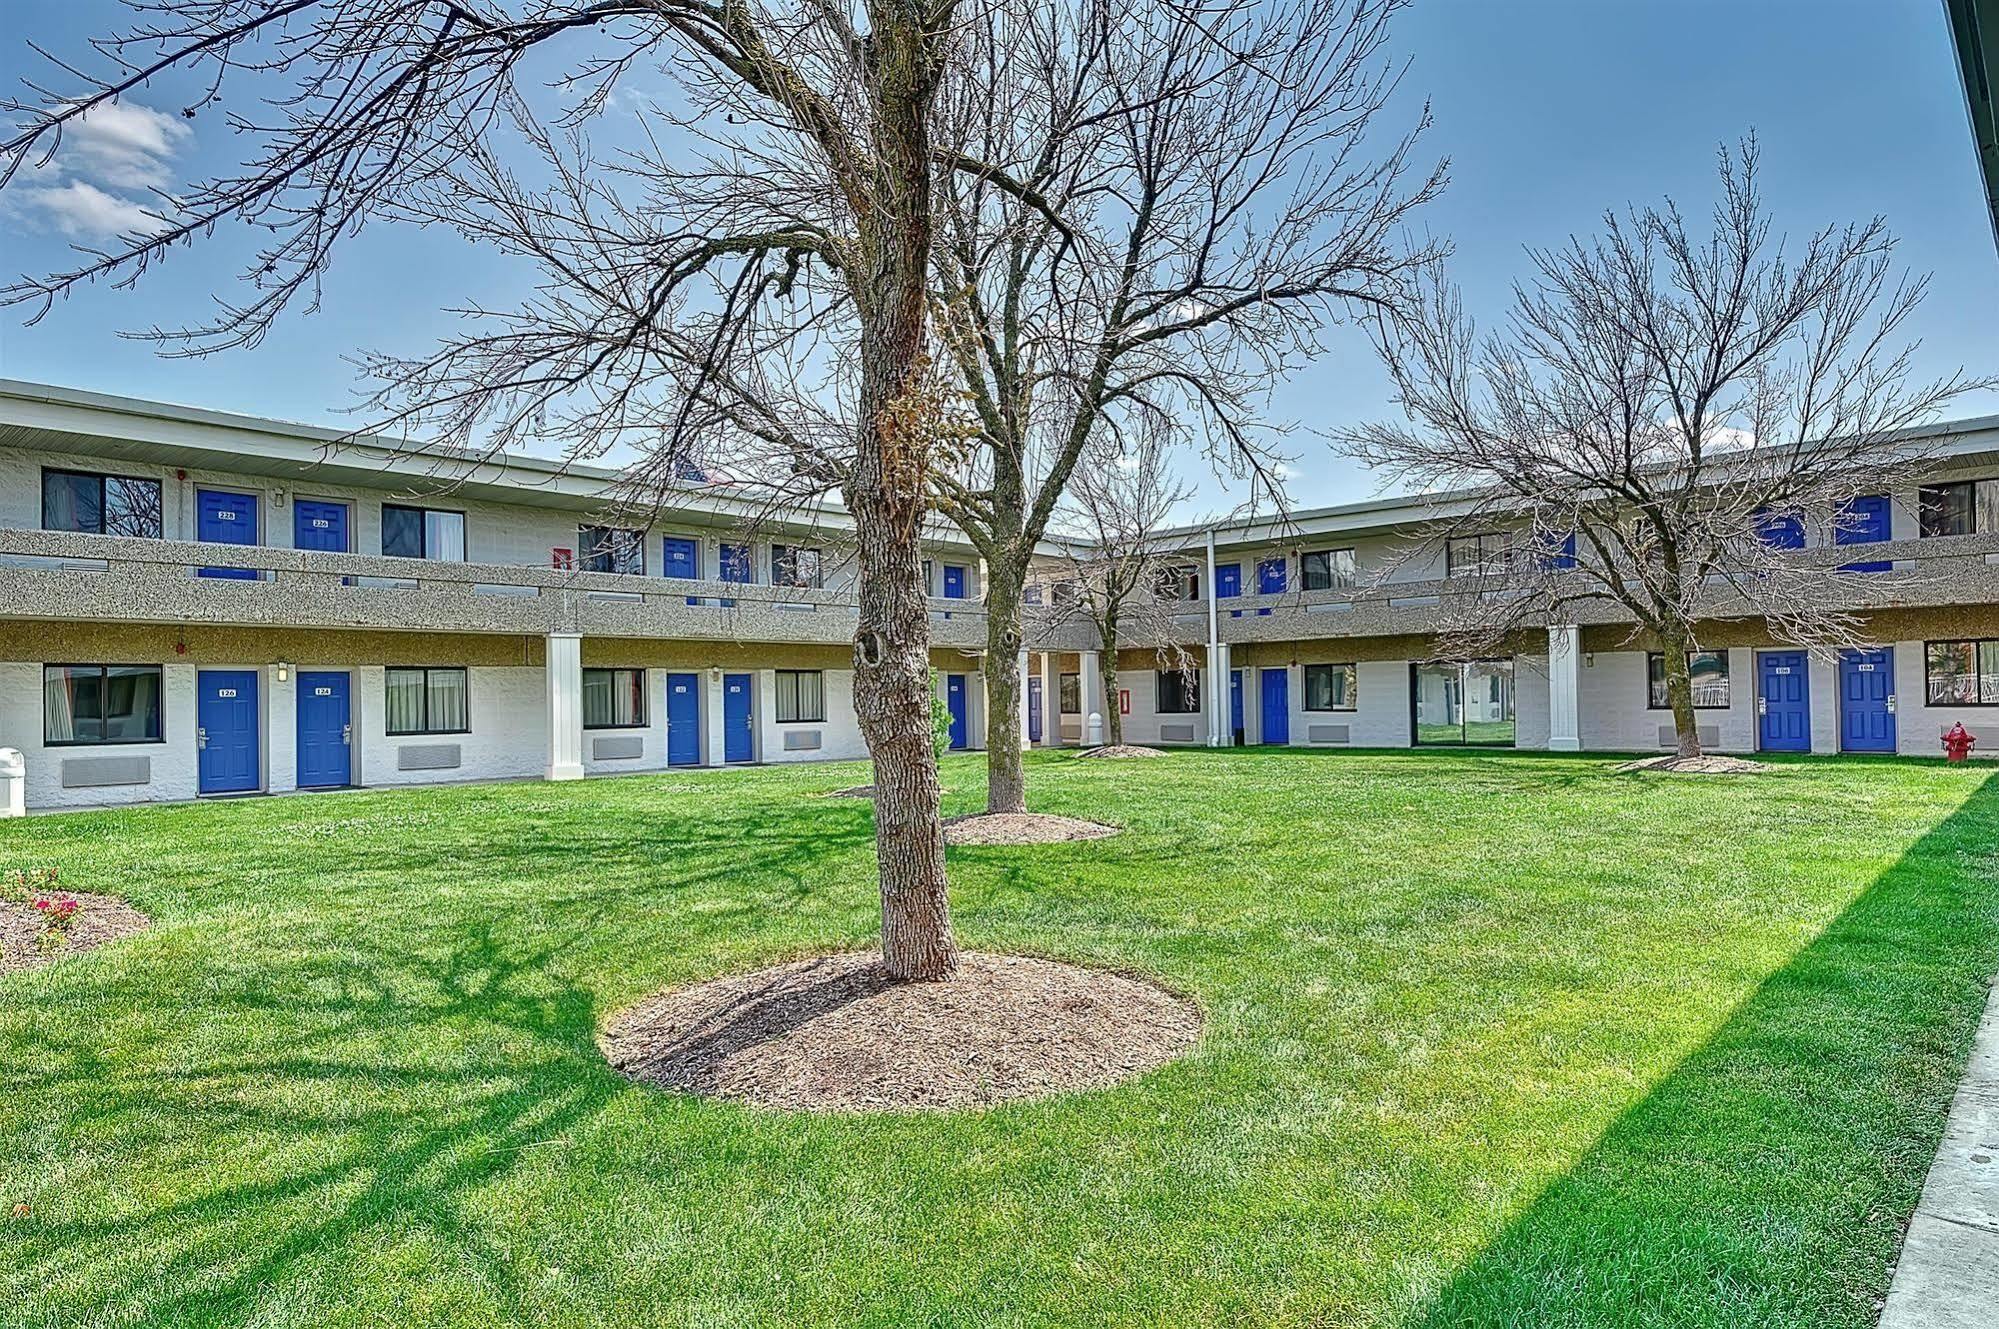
1493 1039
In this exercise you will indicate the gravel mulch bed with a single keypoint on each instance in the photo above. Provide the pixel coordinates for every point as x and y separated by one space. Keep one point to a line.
1023 828
102 918
1117 751
1707 764
836 1034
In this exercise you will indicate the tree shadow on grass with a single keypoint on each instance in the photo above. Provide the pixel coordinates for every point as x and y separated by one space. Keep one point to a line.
1766 1180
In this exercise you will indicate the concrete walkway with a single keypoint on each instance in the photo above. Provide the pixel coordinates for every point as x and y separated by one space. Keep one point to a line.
1948 1276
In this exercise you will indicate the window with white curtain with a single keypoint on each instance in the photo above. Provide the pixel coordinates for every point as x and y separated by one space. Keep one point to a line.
427 701
88 704
431 533
614 698
801 696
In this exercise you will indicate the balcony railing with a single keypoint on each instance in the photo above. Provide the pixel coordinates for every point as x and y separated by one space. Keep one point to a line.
59 575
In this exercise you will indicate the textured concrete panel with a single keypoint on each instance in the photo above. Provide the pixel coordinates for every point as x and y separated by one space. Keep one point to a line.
428 757
104 772
617 747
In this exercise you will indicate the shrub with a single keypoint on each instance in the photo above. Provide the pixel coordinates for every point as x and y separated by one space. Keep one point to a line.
940 721
24 884
58 915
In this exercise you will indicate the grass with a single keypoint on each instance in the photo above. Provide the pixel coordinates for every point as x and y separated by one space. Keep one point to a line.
1494 1039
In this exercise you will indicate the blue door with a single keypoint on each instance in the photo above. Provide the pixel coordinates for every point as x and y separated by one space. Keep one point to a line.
1034 710
226 713
735 564
1228 584
954 583
324 732
739 735
320 526
1276 706
954 698
683 720
226 519
1864 521
1867 701
1783 702
1780 530
1235 705
1269 578
681 558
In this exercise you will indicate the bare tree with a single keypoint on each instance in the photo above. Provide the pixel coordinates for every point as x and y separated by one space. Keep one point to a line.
1658 423
1176 198
745 284
1124 574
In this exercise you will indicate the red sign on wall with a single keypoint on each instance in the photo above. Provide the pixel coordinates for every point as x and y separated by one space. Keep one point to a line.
1124 701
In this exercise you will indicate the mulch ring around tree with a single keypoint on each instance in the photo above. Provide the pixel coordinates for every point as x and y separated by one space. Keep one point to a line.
1119 751
836 1034
1705 764
99 919
1023 828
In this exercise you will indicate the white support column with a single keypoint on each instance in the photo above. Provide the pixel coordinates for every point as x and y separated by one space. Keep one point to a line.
975 714
1217 658
565 705
1565 716
1051 700
763 718
1092 682
1025 708
1220 703
714 733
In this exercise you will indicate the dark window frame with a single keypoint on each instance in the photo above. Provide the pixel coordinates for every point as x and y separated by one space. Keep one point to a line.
1062 693
423 531
101 477
1492 562
634 544
104 679
1926 507
1333 582
788 559
777 688
1189 683
1353 693
427 671
1727 672
1977 644
645 698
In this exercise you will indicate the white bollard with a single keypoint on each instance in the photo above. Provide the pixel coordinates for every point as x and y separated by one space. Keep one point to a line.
13 783
1093 730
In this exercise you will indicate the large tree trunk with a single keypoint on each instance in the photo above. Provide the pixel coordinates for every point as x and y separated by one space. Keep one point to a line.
1006 771
1113 713
886 493
1680 693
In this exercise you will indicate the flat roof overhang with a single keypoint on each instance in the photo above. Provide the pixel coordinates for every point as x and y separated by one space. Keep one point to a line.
1974 31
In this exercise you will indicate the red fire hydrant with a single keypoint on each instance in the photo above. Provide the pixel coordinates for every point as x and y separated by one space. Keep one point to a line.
1957 744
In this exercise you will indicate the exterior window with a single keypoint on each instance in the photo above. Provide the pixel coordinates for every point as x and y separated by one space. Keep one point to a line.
1485 555
795 565
428 701
614 698
1179 693
86 704
610 549
1179 583
1965 508
801 696
1710 679
1066 592
1031 594
1071 691
101 504
1331 687
1962 673
423 533
1327 570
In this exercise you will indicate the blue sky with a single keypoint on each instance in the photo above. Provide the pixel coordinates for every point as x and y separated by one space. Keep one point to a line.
1550 111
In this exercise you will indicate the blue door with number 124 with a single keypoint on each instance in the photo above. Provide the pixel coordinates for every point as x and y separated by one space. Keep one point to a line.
324 732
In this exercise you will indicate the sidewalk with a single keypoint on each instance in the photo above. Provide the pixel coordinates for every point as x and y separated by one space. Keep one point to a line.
1948 1276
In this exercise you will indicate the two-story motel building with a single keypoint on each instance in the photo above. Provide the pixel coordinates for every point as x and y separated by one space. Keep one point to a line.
201 604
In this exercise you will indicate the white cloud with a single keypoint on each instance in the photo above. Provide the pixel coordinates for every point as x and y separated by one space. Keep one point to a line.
81 208
102 179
